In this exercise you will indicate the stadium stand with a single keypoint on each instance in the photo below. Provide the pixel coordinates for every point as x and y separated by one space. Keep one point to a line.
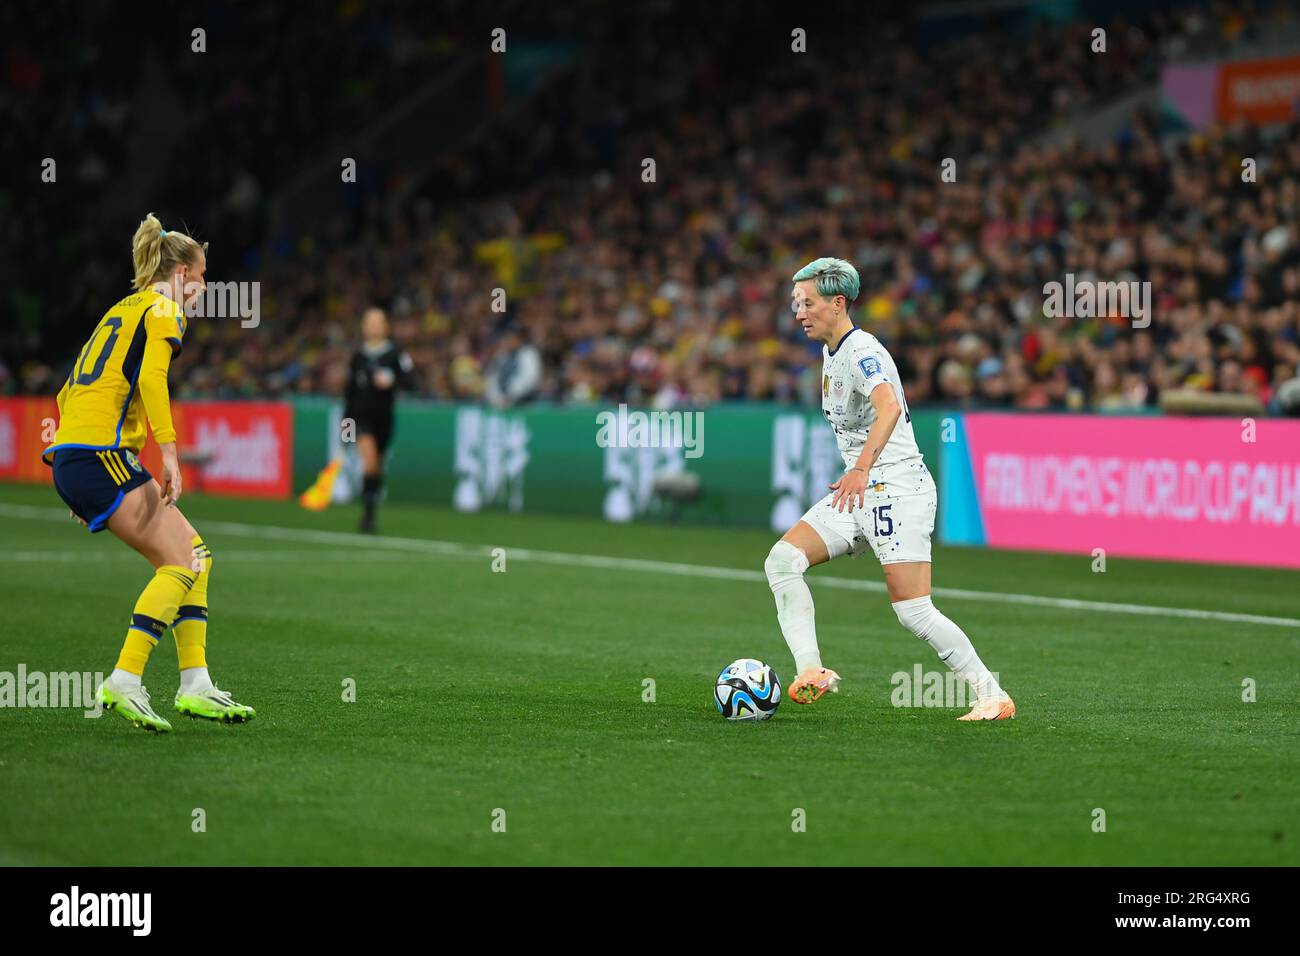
672 293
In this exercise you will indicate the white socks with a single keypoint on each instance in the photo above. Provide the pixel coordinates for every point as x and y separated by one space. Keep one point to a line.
785 566
922 618
192 679
195 679
125 679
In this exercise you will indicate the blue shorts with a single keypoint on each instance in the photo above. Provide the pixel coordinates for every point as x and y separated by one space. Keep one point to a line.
94 482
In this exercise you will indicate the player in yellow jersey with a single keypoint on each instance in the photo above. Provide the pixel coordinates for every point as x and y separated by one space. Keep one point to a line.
117 383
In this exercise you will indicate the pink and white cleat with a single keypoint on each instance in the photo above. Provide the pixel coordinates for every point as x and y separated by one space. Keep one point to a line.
992 708
812 683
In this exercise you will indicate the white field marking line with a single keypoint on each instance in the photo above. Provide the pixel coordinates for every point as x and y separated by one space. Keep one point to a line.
455 549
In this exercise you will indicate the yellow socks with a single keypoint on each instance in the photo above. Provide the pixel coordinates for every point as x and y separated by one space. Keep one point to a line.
154 612
191 629
178 598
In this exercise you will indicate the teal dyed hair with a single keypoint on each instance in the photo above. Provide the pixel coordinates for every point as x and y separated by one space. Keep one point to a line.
834 277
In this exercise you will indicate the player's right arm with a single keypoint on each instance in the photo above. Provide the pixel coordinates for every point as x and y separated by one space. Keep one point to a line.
868 379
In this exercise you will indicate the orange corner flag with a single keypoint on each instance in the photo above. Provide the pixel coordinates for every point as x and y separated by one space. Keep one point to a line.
319 495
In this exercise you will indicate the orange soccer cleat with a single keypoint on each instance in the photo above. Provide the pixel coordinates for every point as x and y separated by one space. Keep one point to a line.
992 708
812 683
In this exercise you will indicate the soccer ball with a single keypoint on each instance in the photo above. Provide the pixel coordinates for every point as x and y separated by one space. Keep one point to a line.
747 690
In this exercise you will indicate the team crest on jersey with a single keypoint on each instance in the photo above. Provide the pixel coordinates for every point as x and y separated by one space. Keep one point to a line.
829 387
131 460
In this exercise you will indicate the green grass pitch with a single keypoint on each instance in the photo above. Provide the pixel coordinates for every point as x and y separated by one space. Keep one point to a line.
522 691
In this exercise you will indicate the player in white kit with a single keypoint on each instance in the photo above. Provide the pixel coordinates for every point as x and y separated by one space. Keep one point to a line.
885 500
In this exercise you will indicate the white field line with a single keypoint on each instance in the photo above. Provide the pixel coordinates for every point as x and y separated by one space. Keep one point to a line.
374 543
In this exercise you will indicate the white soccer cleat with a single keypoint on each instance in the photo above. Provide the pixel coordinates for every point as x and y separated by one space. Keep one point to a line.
992 708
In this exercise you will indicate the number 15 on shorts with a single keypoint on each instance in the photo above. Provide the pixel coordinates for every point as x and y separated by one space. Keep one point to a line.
884 525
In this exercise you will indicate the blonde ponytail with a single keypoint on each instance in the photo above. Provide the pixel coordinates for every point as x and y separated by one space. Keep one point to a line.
157 251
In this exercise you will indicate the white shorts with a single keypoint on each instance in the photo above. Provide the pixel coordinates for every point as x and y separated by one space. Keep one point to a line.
897 520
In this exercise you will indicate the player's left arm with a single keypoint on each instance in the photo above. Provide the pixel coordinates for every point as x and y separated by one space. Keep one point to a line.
162 341
63 396
406 378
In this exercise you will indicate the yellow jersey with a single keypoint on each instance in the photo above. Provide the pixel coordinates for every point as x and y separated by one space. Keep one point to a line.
120 378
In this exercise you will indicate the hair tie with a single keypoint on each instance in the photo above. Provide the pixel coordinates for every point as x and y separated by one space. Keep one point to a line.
164 232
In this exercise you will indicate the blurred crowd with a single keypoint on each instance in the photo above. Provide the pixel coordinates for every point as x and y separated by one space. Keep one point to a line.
202 110
547 260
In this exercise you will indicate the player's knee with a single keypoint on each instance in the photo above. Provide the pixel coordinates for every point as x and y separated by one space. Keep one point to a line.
784 561
917 615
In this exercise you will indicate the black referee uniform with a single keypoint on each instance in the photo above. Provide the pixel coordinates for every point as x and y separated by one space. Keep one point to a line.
371 407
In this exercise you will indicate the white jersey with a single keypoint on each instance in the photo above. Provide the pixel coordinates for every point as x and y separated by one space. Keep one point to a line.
857 365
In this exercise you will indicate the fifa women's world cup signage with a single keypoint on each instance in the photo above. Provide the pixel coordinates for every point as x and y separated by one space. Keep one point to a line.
1219 489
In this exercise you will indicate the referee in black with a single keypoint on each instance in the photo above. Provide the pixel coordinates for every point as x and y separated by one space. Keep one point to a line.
379 368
